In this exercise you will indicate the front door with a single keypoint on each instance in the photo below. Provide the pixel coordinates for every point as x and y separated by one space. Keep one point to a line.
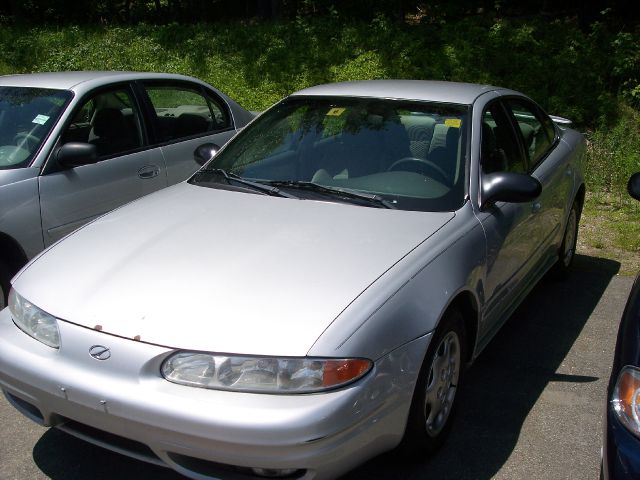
126 169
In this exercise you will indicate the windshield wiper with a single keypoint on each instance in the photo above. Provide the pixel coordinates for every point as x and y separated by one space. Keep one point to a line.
261 187
335 192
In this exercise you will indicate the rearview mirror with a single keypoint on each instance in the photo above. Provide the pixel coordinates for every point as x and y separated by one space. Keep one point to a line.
633 186
509 187
205 152
75 154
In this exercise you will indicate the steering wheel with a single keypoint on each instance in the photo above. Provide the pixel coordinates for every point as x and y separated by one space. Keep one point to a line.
421 166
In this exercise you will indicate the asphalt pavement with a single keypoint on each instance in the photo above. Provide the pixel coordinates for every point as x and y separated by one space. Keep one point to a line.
531 408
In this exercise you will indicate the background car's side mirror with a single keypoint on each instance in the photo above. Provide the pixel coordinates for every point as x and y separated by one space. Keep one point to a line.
205 152
509 187
633 186
75 154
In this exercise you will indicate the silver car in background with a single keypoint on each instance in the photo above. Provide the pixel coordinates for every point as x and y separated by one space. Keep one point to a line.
74 145
311 297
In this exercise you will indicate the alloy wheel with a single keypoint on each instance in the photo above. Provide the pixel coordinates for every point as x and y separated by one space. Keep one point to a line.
442 384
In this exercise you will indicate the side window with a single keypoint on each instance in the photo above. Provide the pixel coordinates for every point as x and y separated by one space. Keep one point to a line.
500 150
537 129
185 112
110 121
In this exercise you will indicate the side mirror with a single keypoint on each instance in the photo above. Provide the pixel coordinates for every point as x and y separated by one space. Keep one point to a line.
205 152
509 187
633 186
76 154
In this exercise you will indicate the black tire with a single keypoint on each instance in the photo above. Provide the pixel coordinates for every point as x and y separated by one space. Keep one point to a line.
5 276
567 251
435 396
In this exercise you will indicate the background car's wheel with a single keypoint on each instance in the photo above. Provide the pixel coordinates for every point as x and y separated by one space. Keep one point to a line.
434 398
4 285
568 246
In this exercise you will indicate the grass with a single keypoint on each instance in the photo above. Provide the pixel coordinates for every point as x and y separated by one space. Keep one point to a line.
610 227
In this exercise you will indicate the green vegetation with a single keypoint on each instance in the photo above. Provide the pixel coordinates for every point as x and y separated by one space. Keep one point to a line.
590 75
571 72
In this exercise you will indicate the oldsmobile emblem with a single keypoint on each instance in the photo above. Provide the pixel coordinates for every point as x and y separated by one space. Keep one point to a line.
100 352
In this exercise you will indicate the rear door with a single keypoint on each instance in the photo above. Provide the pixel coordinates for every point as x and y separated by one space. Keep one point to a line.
127 168
185 115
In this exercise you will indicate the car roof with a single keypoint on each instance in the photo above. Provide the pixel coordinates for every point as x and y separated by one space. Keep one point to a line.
82 80
423 90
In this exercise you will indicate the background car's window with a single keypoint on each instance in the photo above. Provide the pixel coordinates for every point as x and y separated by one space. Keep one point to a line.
500 150
27 115
411 153
110 121
183 112
537 130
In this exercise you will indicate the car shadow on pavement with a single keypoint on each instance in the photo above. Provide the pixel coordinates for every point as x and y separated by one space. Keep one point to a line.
501 388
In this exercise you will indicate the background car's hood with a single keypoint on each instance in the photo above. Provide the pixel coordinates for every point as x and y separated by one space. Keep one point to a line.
200 268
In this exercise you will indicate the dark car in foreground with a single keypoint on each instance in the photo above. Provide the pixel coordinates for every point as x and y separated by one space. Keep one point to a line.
621 450
74 145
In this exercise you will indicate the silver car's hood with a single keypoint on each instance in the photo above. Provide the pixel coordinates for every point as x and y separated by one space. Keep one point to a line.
198 268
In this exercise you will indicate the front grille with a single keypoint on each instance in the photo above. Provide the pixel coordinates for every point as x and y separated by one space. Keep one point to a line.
110 441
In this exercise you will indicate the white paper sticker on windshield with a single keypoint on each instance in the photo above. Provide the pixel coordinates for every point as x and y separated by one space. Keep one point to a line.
40 119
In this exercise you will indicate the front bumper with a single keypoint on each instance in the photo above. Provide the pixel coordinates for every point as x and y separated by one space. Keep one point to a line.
125 405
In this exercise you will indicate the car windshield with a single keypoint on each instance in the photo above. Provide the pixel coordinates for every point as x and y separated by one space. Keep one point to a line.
26 118
409 154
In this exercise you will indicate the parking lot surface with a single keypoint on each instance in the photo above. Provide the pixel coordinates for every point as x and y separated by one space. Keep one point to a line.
531 407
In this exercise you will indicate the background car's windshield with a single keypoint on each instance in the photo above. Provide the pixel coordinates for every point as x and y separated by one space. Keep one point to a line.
410 153
26 117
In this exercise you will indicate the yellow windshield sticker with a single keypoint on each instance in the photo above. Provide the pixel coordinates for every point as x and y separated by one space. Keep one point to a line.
335 112
453 122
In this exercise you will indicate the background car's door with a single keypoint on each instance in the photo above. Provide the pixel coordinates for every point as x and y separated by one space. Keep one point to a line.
186 116
126 168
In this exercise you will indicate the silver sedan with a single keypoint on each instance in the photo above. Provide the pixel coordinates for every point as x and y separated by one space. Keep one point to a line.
312 296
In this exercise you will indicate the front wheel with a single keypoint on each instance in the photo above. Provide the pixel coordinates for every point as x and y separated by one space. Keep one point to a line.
434 399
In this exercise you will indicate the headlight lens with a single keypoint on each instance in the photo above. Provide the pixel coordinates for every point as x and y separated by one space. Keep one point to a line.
626 398
33 321
262 374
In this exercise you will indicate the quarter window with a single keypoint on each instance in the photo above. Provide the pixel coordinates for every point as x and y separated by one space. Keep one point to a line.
184 112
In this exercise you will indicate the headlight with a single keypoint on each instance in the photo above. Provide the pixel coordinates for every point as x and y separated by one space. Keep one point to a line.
33 321
626 398
262 374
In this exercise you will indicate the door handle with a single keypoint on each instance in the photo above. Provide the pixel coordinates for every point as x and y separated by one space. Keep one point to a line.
148 171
